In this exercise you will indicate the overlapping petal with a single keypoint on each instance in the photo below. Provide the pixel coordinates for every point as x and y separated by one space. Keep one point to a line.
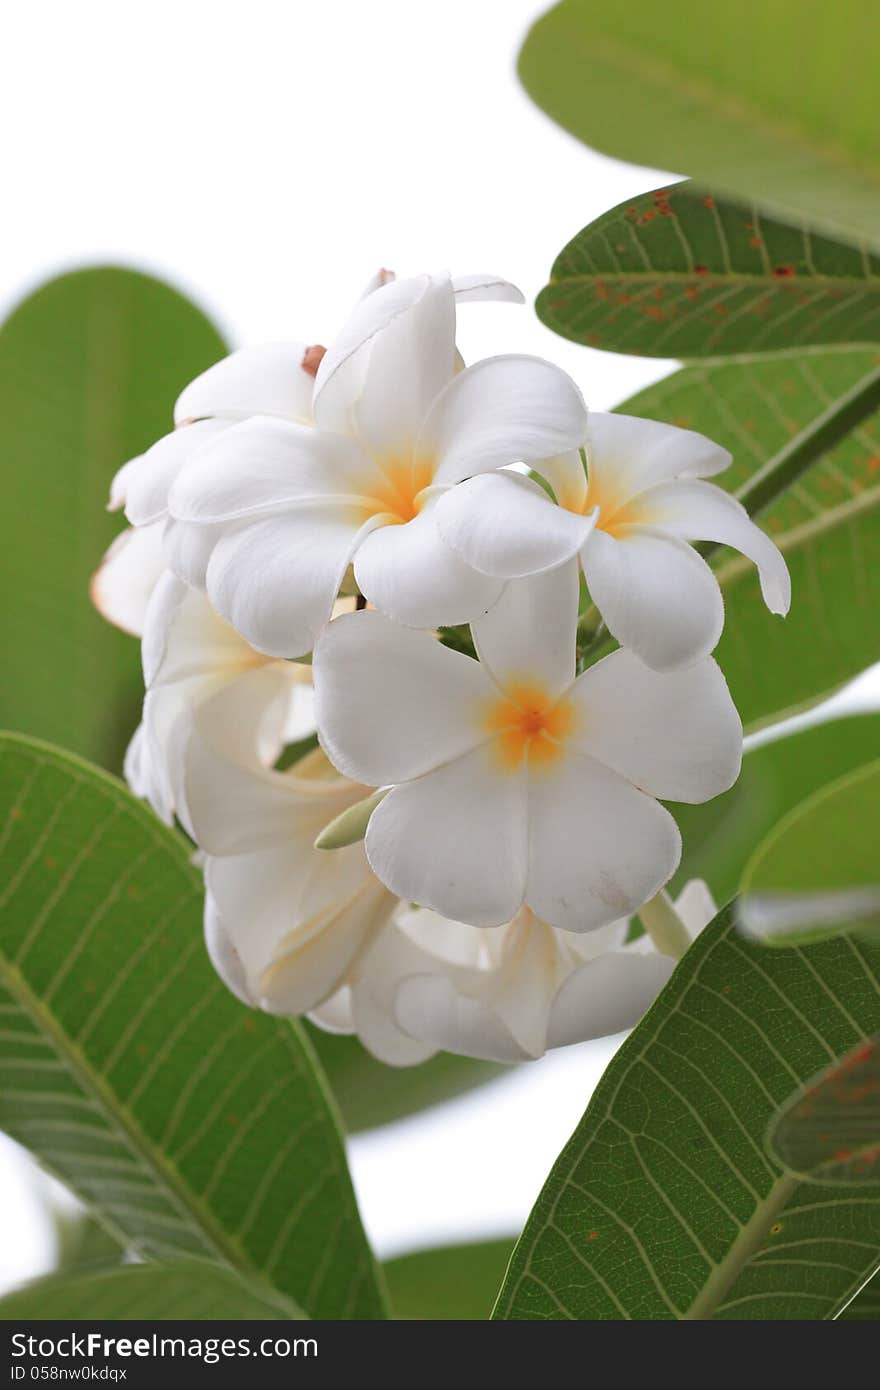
267 379
504 524
527 637
655 593
502 410
413 577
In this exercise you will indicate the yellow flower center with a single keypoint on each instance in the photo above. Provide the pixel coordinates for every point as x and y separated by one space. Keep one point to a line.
397 493
528 724
615 512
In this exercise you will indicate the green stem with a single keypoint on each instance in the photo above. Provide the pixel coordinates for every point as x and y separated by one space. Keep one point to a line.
664 926
749 1241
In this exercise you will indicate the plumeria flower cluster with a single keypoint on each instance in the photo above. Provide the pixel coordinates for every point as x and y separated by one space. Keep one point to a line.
359 574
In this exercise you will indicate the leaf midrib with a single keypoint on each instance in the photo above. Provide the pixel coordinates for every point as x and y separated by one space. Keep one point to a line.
125 1126
745 278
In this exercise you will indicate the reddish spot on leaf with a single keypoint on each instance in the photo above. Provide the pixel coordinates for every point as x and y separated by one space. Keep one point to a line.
601 290
594 1235
755 241
648 216
719 308
692 292
783 272
653 311
701 270
709 202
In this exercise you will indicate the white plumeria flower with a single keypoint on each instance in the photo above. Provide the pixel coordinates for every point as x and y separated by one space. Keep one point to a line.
505 994
272 379
630 517
398 425
284 922
192 657
513 782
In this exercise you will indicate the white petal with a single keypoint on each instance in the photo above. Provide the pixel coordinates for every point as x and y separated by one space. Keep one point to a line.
122 585
695 906
334 1015
676 735
529 634
431 1007
148 485
656 594
312 961
267 379
340 378
391 702
455 840
188 547
276 581
626 455
598 848
408 573
184 637
390 957
119 483
505 524
262 466
410 361
606 996
297 926
502 410
223 955
701 511
469 288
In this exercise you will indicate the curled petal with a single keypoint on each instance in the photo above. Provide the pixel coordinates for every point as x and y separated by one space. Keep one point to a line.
607 995
482 287
276 580
268 379
188 546
656 594
148 484
701 511
626 455
341 375
409 362
502 410
263 466
412 576
505 524
223 955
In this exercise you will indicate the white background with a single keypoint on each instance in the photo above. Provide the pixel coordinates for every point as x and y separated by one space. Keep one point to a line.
266 157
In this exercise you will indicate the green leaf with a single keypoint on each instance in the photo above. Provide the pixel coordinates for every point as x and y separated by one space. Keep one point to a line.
829 1130
90 366
369 1093
818 870
664 1203
189 1289
826 523
866 1305
454 1282
679 273
191 1125
720 837
761 99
